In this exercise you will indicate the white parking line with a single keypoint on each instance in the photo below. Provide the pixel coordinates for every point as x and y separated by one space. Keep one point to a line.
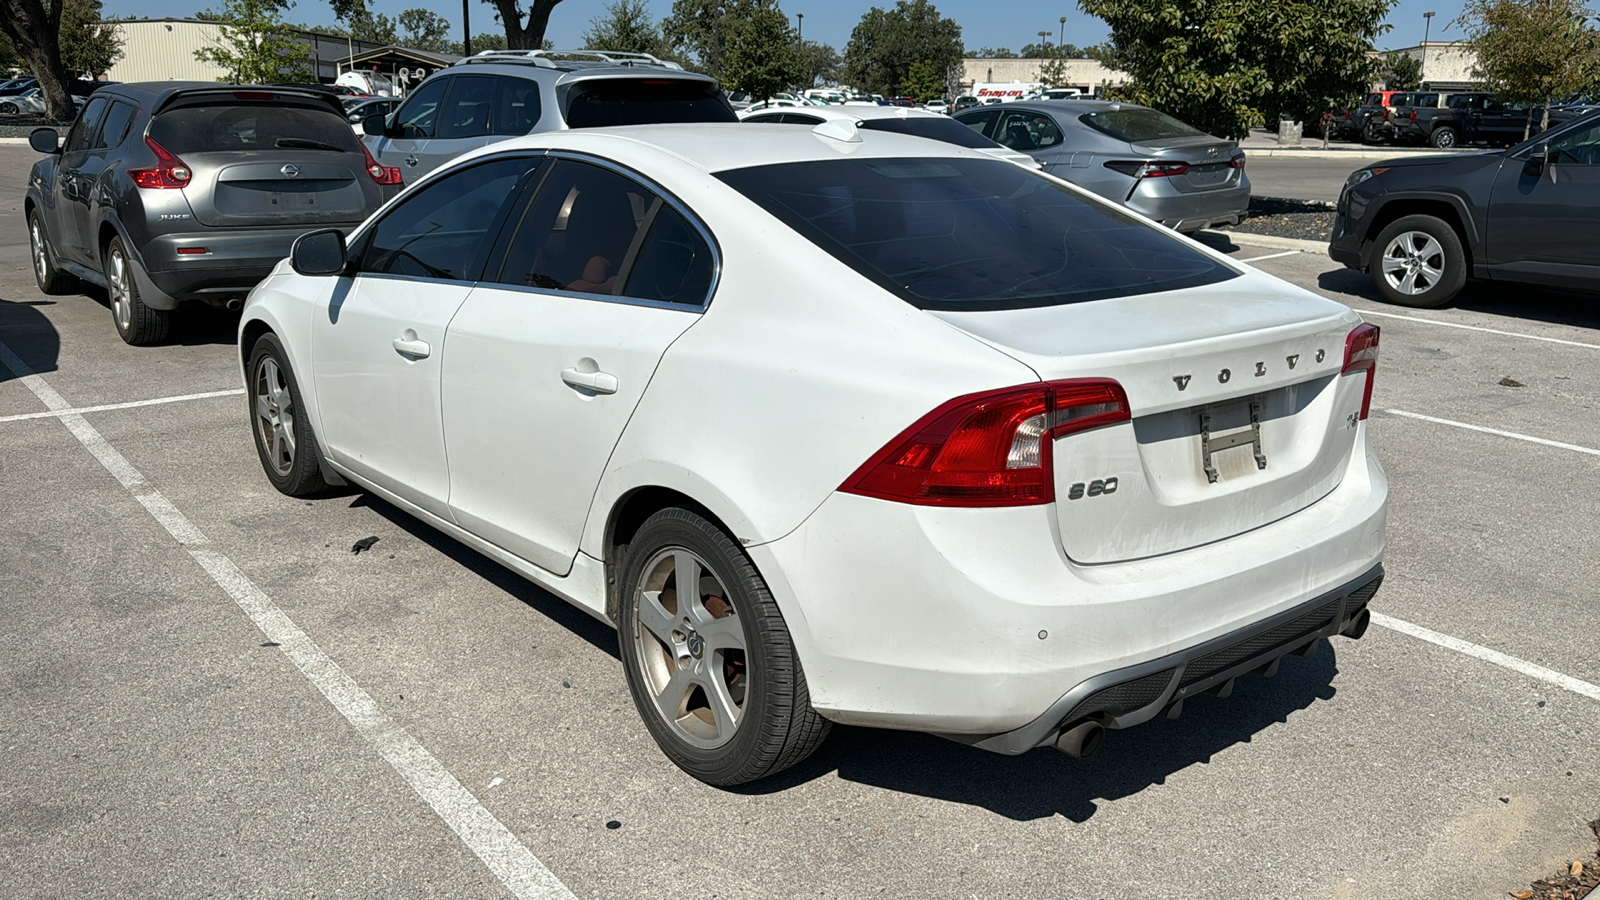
1495 431
130 405
1515 334
1271 256
517 868
1532 670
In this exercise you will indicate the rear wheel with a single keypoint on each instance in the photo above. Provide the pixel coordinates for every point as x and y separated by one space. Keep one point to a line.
51 280
136 323
1443 137
284 439
709 661
1420 262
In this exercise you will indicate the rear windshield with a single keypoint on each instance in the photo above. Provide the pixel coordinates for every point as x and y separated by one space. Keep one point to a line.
935 128
972 234
252 126
1138 124
645 101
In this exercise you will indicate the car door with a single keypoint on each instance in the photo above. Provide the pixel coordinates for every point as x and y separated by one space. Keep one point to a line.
96 192
411 129
378 341
1544 222
550 354
72 188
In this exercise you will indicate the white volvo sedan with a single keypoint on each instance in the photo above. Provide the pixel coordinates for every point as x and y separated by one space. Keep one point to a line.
840 426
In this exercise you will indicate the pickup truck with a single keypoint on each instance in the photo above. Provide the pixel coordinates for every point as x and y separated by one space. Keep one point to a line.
1448 120
1371 120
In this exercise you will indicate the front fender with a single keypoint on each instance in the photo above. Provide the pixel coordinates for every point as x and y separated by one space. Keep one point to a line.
1474 225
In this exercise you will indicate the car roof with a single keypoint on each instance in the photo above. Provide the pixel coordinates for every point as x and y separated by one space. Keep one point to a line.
722 146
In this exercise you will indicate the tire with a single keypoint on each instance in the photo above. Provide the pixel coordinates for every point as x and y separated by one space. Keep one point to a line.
1369 134
50 279
1418 261
1444 137
9 109
138 324
285 442
678 658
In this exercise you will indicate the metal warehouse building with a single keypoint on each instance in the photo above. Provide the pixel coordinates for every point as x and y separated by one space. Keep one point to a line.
163 50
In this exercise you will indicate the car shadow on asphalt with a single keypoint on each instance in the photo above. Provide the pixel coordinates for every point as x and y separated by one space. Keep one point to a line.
30 335
536 598
193 324
1520 301
1044 782
1216 241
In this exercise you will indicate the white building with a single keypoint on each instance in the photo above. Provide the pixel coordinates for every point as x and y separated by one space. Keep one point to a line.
1446 65
1086 75
163 50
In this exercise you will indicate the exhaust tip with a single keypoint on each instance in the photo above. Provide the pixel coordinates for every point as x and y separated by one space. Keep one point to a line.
1082 740
236 304
1357 626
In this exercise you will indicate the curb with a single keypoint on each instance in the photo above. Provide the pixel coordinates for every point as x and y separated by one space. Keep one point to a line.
13 142
1268 240
1388 153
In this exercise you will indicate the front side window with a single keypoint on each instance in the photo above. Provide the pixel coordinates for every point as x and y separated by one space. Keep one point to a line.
420 115
1580 146
466 112
83 130
442 230
970 234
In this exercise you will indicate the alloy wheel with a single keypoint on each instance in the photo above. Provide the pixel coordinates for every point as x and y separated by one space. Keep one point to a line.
691 648
1413 263
41 263
117 287
275 416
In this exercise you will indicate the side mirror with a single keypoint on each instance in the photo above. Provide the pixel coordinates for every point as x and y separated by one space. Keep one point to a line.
1536 161
45 140
373 125
319 252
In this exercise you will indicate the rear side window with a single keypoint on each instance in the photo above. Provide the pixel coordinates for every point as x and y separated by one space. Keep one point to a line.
969 234
937 128
466 113
1138 124
115 126
516 106
980 121
645 101
1028 131
220 127
674 264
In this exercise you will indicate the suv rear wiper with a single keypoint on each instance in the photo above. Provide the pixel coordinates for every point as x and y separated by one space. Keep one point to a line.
306 143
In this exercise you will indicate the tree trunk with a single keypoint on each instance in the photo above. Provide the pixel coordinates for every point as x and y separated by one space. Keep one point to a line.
1544 118
1527 125
35 33
519 37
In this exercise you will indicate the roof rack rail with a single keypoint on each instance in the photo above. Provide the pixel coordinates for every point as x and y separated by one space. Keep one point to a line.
547 58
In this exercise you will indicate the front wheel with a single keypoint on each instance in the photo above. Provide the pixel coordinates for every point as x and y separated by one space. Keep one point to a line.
284 439
1444 138
709 660
50 279
1420 262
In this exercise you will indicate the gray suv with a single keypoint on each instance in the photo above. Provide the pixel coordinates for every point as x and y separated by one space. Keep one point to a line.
504 93
171 191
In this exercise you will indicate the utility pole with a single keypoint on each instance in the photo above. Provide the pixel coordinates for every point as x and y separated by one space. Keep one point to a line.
1422 68
466 29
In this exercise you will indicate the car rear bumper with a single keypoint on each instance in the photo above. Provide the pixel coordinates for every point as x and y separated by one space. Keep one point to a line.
233 261
974 623
1189 212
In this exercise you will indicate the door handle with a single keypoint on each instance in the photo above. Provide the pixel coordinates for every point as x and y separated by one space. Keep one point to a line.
411 161
412 348
599 382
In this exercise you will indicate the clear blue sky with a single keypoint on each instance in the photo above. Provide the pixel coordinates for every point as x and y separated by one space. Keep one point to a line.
984 23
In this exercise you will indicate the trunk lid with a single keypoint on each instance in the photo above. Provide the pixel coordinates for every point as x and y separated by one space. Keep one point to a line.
1206 156
276 188
1232 374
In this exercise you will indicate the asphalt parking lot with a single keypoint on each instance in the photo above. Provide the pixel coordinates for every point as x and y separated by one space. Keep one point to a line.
206 693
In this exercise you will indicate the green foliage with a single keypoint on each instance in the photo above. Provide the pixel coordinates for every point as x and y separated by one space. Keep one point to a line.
425 30
885 44
626 27
991 53
1053 72
924 81
1533 50
1402 72
1220 65
762 55
704 30
10 60
376 28
87 48
1048 50
821 63
253 47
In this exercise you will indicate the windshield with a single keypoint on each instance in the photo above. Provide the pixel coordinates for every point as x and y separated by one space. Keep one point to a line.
645 101
1138 124
935 128
251 126
971 234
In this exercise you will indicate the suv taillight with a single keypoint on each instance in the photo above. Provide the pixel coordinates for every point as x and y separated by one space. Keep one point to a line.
1361 355
380 174
988 449
168 172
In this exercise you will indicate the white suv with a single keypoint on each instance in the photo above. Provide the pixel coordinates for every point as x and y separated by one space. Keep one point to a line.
499 94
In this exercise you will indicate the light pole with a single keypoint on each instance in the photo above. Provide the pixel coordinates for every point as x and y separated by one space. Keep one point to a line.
1045 35
801 28
1063 38
1422 68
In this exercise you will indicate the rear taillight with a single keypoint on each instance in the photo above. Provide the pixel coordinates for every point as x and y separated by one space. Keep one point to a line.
1137 168
1361 355
380 174
988 449
1413 119
1236 161
168 172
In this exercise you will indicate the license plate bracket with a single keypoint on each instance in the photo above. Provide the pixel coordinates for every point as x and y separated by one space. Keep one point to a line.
1210 445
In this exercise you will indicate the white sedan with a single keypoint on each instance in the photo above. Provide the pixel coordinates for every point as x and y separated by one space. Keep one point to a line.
838 425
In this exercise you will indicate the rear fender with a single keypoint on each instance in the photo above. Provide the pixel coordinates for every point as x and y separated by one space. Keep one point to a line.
149 294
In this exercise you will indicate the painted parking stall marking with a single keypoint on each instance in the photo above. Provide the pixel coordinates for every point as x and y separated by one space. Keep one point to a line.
1560 445
1272 256
134 404
1532 670
512 863
1515 334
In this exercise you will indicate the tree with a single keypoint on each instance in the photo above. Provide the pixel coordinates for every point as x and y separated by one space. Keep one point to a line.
252 45
87 48
488 40
33 29
1224 65
1053 72
886 43
924 81
626 27
991 53
520 36
704 29
1048 50
1402 72
375 28
762 55
425 30
1533 51
821 63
